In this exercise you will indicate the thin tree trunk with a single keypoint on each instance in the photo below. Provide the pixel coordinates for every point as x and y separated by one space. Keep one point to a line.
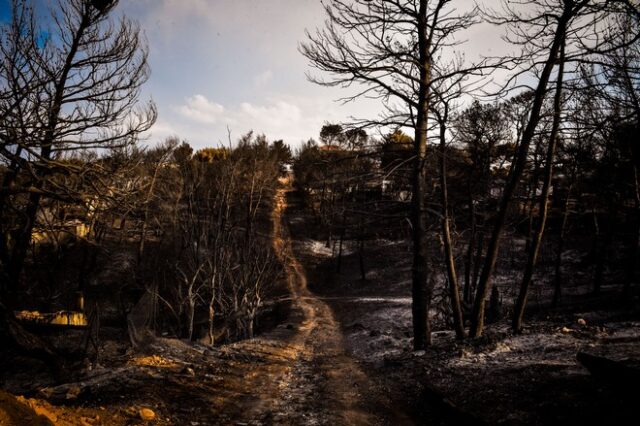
521 302
470 248
557 287
531 202
484 286
191 315
454 293
145 221
212 315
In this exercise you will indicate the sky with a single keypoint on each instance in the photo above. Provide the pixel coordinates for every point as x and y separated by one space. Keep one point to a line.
234 65
220 65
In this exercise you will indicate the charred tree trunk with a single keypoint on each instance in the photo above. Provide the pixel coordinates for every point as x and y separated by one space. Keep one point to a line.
145 219
484 285
477 262
452 276
532 258
363 272
419 269
471 247
531 202
6 282
340 245
212 315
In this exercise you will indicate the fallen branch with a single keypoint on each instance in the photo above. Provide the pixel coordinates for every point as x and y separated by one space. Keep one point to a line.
120 377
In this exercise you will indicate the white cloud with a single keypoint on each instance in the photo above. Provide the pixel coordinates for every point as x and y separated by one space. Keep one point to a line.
277 115
204 122
199 108
160 131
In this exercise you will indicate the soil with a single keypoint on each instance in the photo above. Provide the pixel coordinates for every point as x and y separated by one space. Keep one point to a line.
343 356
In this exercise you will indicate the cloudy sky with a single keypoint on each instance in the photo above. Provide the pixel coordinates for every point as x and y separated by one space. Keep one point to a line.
219 64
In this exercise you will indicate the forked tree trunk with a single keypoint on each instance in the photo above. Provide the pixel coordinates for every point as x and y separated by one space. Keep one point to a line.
484 285
534 251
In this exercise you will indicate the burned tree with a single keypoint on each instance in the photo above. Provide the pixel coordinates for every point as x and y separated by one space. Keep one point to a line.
387 50
541 28
76 89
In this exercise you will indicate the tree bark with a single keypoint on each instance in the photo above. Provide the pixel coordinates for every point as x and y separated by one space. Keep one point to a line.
418 220
340 245
454 293
518 314
477 262
484 285
470 248
603 243
419 268
363 271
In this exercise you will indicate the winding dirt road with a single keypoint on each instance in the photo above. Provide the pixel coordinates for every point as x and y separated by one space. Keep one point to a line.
305 376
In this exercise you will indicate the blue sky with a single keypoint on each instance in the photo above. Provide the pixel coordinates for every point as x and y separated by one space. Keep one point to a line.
5 12
219 64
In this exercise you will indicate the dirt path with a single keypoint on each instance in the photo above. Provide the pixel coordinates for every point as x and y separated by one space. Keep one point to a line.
299 373
326 385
